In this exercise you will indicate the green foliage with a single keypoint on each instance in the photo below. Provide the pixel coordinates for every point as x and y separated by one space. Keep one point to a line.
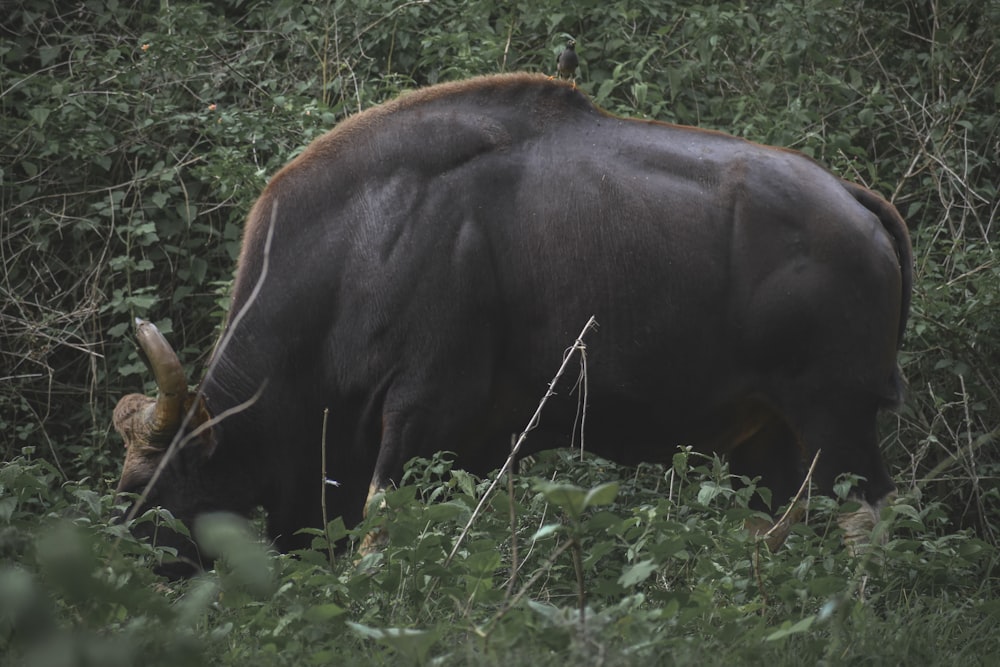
663 577
134 140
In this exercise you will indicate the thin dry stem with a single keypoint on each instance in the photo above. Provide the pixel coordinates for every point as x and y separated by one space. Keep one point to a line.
532 424
322 487
510 37
783 521
513 529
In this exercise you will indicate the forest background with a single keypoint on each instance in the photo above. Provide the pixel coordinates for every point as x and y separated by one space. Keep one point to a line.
136 136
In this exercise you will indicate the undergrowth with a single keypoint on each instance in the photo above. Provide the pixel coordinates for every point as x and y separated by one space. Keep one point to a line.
135 138
646 565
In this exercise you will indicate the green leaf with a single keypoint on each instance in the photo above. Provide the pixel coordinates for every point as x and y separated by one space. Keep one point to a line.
603 494
680 463
414 644
787 628
545 531
160 199
47 54
483 563
905 510
827 586
972 548
199 267
568 497
229 537
400 497
39 115
604 91
196 602
447 511
465 482
324 612
708 492
186 212
637 573
7 507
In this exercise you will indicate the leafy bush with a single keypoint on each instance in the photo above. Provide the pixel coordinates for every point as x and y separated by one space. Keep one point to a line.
609 574
135 139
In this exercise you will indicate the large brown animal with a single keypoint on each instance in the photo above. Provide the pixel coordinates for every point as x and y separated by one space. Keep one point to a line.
433 257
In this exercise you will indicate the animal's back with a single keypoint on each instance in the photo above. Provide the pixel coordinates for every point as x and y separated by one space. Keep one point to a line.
498 214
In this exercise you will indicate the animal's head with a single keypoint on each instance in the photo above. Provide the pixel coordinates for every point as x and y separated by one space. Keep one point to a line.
167 444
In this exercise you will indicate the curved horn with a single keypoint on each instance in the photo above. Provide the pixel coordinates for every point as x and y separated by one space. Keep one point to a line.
165 418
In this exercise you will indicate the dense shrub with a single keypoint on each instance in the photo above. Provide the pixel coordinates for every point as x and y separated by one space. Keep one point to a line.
601 575
134 139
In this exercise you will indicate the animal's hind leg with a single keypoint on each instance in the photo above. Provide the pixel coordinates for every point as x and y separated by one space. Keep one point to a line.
848 444
773 454
845 434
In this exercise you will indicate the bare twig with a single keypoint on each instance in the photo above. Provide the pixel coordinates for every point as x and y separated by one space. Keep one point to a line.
510 36
323 484
784 521
581 403
532 424
513 528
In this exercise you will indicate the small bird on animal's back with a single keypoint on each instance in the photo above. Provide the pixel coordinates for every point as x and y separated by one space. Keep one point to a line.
567 62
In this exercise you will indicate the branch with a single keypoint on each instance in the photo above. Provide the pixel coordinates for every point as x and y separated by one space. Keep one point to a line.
532 424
